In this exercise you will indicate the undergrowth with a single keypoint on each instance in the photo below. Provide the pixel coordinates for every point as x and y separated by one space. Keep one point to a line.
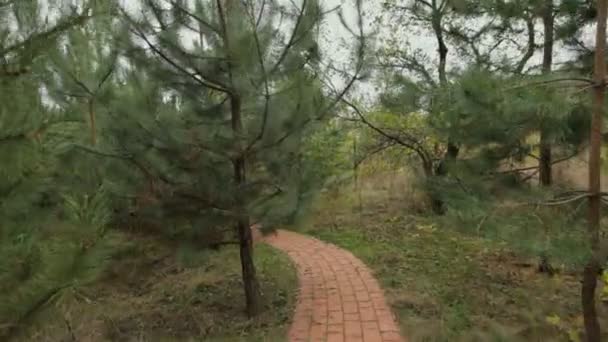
152 293
444 282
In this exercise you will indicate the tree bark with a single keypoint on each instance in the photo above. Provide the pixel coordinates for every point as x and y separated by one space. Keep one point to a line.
545 168
452 149
92 122
592 326
249 275
441 171
442 48
544 163
250 281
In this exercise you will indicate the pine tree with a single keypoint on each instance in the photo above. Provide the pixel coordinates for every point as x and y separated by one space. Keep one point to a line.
561 21
79 80
83 64
225 113
449 24
43 254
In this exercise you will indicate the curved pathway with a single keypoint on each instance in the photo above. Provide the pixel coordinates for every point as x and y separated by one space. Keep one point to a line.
339 300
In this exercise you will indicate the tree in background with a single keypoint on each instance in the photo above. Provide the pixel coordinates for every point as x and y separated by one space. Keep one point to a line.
411 86
82 64
592 326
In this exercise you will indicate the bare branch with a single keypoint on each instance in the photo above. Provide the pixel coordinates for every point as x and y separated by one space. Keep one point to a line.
46 35
292 40
412 145
555 80
196 17
176 65
530 48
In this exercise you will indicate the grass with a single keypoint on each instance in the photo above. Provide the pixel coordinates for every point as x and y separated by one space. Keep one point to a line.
152 293
446 286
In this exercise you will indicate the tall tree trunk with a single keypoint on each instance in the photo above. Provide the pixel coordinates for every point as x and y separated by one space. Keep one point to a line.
545 168
592 326
250 281
452 149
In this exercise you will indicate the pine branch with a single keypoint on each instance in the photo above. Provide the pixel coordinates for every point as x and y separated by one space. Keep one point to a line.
553 162
42 301
195 17
378 149
48 34
14 137
410 63
80 83
107 75
340 95
266 87
530 48
209 203
135 29
292 40
555 80
15 73
101 153
260 13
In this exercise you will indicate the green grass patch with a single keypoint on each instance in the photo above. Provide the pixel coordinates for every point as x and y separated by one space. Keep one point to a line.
445 286
155 292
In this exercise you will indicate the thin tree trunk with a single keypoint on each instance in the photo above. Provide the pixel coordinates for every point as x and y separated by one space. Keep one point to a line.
442 48
250 281
442 170
452 149
545 168
92 122
544 163
592 326
356 179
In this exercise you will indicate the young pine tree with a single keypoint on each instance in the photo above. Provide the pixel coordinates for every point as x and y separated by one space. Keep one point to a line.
230 88
42 254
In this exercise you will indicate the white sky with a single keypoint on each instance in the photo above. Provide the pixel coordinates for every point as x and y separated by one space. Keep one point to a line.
335 46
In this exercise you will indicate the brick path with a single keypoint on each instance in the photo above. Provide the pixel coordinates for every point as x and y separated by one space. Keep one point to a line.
339 299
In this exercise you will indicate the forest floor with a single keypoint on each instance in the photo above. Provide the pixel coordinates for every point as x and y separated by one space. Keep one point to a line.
441 285
444 286
152 293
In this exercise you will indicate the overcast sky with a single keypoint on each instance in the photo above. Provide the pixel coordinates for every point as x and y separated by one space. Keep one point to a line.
335 41
421 40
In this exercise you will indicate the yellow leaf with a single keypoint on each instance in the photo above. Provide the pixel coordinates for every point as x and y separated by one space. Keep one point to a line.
573 336
605 276
553 320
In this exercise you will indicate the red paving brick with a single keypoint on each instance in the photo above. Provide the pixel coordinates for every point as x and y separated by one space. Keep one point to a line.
339 299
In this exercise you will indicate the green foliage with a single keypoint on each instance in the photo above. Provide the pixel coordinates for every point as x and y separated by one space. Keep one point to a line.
178 136
108 113
43 254
325 161
451 279
83 209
